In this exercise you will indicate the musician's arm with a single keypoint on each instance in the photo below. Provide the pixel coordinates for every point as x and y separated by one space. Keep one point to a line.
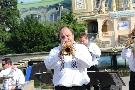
1 75
13 88
51 60
83 56
1 78
95 50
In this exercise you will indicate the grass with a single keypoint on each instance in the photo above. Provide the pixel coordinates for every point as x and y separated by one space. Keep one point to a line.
37 84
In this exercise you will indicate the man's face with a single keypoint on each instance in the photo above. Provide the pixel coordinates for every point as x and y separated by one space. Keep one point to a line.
5 65
83 40
66 36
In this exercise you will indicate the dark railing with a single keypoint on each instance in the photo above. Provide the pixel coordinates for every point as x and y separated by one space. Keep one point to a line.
92 36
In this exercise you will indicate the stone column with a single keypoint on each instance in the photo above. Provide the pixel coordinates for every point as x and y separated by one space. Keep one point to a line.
120 3
130 5
131 24
113 6
100 28
115 26
103 6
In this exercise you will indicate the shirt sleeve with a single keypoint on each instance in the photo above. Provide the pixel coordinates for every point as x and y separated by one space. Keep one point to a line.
83 56
132 64
95 50
1 73
21 78
126 53
52 59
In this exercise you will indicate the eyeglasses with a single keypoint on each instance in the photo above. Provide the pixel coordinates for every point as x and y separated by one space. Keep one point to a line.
3 64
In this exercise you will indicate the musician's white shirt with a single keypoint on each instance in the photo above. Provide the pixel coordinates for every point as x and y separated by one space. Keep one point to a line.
70 75
18 78
95 52
128 54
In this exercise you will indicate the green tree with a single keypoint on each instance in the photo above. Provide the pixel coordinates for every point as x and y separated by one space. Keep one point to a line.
70 20
32 36
9 13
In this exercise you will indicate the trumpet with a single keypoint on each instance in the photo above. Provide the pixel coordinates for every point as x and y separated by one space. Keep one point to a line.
67 49
130 41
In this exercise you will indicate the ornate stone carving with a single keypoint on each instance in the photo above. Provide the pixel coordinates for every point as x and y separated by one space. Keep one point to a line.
103 6
80 4
130 5
113 6
97 41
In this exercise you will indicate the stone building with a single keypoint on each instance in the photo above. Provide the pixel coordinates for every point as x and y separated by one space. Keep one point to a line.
44 10
108 20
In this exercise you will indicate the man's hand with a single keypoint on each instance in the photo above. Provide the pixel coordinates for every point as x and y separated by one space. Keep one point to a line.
13 88
73 53
14 66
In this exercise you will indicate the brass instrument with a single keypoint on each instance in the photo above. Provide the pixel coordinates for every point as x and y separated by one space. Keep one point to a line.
67 49
130 41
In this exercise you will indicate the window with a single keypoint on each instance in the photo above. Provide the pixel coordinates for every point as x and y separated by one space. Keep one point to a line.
133 1
108 4
125 3
38 17
97 4
92 27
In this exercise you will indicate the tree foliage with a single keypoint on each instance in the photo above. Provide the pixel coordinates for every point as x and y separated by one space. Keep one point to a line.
30 35
9 13
70 20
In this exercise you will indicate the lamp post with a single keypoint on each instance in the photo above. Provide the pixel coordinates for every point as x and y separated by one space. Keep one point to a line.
59 8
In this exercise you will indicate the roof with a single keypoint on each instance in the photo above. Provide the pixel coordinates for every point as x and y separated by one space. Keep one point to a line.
41 3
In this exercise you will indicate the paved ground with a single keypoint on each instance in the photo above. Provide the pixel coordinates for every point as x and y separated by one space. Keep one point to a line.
126 81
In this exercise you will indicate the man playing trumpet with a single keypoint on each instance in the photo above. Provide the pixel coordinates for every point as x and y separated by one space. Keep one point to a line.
129 53
70 62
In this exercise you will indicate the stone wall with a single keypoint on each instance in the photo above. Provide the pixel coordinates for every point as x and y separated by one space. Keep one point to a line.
24 57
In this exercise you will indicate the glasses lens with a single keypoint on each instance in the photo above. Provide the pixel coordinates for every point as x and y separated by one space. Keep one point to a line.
3 64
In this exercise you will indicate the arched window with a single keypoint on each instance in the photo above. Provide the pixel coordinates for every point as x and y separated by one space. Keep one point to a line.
125 3
93 27
38 17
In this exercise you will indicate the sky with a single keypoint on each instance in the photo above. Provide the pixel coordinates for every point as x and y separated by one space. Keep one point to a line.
27 1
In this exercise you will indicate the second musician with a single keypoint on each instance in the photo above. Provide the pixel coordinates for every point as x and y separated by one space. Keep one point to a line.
129 54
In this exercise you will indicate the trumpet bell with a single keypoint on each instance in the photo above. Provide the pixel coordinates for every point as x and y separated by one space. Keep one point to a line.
67 50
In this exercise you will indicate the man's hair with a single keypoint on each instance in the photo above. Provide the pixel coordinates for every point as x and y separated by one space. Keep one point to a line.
83 34
7 61
65 27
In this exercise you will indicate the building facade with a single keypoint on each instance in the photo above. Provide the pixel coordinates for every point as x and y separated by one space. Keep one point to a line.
45 10
110 20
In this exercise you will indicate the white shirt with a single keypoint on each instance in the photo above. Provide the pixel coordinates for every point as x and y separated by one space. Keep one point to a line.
18 78
128 54
95 52
70 76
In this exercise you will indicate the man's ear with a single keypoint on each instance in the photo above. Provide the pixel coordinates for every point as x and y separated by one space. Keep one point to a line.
73 36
